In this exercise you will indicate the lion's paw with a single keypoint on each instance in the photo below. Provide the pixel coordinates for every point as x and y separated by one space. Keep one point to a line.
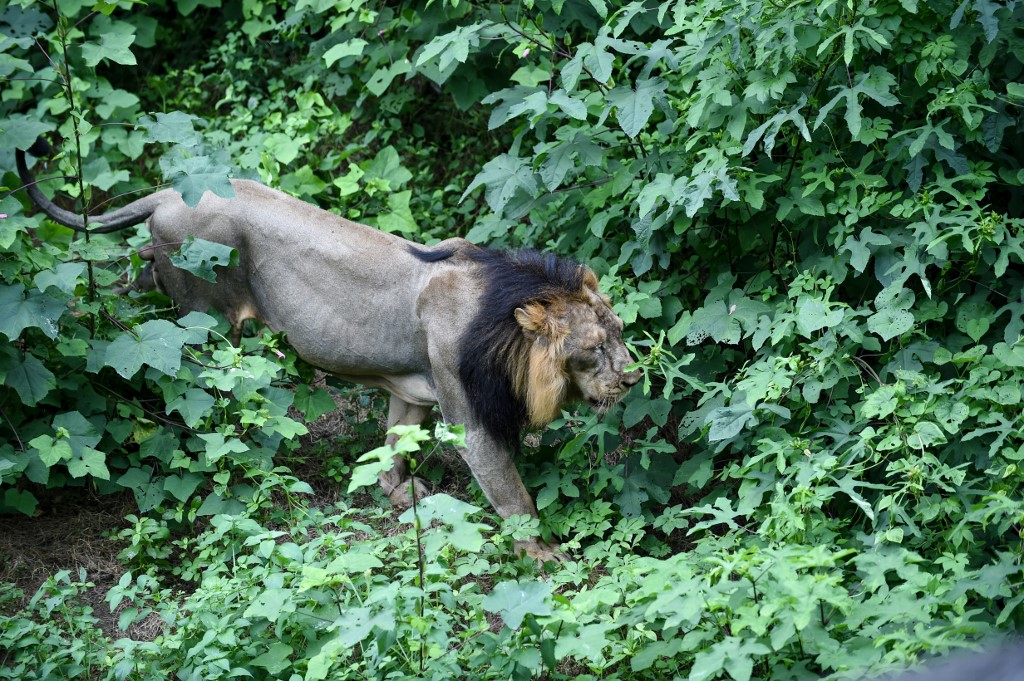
401 496
540 551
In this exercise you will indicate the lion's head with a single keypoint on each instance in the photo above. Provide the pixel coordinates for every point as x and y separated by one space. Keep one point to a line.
544 336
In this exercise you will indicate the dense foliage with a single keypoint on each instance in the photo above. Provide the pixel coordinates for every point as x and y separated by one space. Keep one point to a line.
809 214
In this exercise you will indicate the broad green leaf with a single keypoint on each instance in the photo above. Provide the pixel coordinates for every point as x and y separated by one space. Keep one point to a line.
193 406
200 257
270 604
156 343
502 177
64 277
29 377
51 451
276 659
174 128
387 165
350 48
574 108
19 311
728 422
634 107
183 486
452 513
313 403
859 248
284 148
79 431
113 45
813 315
399 218
193 177
893 317
20 500
90 462
974 317
382 77
218 446
97 172
354 562
880 403
514 600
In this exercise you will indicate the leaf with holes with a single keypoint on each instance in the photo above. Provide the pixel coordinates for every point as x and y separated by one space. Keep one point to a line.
200 256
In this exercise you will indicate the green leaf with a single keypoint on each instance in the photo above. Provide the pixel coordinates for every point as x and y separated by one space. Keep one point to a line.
353 562
399 218
880 403
451 47
64 277
284 148
199 257
453 514
113 45
174 128
97 172
30 378
270 604
218 446
79 431
974 317
91 462
19 311
183 486
728 422
20 131
156 343
382 77
860 250
21 501
514 600
313 403
634 107
574 108
193 406
892 318
387 165
51 451
350 48
813 315
503 176
193 177
275 660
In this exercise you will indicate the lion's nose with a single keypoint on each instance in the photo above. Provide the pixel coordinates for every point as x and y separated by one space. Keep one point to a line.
630 379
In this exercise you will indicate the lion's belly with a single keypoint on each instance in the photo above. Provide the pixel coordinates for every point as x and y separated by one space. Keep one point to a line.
412 388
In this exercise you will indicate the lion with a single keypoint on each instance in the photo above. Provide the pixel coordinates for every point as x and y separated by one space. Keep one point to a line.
500 341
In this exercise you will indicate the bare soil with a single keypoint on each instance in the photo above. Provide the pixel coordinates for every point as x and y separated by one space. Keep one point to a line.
74 528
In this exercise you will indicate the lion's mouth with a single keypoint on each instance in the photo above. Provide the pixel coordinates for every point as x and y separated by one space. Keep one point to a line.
603 404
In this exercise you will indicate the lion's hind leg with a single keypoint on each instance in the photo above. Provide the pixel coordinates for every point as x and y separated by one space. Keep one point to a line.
396 483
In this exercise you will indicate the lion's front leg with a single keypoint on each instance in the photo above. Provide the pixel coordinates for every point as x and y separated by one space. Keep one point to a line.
495 471
395 483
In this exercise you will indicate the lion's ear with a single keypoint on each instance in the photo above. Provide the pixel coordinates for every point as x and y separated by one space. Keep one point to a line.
532 319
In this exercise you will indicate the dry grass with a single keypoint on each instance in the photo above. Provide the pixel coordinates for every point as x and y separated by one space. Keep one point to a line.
74 528
72 531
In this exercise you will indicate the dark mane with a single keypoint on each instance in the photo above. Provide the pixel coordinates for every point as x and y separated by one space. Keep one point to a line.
495 344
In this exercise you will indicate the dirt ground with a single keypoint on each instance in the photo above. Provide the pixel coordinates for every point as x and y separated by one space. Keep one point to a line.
73 529
76 528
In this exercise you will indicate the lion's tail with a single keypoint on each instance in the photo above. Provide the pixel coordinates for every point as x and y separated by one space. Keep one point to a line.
441 251
132 214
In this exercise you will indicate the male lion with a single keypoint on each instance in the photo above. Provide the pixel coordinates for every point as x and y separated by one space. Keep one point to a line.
498 340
